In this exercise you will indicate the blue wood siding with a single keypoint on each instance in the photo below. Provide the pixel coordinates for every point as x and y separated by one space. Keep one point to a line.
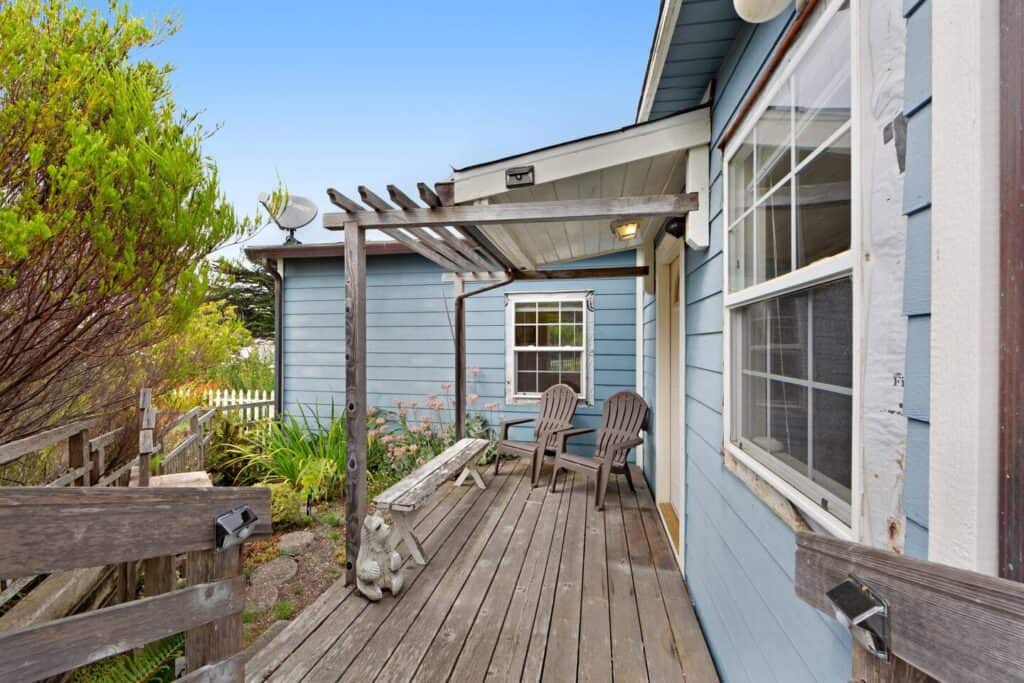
739 555
917 203
409 337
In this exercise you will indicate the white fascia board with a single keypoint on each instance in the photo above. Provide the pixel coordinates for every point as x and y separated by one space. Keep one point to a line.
698 169
659 53
682 131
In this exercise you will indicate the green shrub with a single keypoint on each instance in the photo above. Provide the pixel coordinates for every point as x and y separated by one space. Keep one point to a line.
153 663
249 616
284 610
287 506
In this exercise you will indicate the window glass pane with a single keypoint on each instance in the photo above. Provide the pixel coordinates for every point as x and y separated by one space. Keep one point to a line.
774 137
547 312
833 425
741 180
526 360
546 380
787 335
775 227
572 379
833 333
570 361
526 335
755 320
526 313
787 424
821 86
547 335
823 201
741 252
572 312
549 361
526 382
571 335
754 409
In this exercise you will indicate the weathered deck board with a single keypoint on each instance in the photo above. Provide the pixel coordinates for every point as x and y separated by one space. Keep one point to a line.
521 584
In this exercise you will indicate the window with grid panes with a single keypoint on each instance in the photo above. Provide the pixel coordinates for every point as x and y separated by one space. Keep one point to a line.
790 301
548 340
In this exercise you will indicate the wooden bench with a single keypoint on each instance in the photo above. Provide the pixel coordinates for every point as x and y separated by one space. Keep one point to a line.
405 497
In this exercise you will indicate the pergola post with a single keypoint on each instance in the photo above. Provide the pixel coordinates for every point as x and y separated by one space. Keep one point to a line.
355 393
460 359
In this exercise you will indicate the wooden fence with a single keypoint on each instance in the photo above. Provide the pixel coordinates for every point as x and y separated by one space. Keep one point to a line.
46 529
251 404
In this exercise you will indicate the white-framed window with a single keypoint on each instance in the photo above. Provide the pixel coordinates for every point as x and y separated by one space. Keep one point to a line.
548 341
790 281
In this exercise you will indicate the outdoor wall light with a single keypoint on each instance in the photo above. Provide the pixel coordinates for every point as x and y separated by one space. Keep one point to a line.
235 526
865 614
625 230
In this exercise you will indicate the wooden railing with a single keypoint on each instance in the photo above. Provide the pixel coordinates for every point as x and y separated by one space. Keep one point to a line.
945 623
45 530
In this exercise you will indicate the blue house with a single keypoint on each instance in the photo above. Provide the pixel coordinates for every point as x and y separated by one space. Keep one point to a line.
806 365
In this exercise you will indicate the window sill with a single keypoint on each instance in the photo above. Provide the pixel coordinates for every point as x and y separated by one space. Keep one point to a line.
811 510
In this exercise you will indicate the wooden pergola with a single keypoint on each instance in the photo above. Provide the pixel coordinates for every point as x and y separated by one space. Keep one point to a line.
449 236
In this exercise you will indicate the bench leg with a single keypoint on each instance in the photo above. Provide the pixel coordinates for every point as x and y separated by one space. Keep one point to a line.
470 471
413 543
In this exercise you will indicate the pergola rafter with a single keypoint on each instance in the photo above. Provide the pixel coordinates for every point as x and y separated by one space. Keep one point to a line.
448 235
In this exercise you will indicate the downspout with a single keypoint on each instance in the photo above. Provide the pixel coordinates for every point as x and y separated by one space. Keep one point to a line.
269 266
460 351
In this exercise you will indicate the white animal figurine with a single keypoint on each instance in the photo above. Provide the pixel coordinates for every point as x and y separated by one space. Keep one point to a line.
378 563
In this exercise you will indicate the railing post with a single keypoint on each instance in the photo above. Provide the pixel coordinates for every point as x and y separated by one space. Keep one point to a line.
147 422
222 638
99 462
195 431
78 456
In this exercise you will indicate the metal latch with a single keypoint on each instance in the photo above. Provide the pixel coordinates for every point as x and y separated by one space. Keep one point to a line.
864 613
235 526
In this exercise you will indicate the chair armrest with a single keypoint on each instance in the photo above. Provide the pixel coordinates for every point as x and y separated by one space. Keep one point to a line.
566 433
623 448
505 424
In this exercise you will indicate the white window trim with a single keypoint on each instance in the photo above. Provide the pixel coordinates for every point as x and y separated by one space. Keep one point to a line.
586 372
846 263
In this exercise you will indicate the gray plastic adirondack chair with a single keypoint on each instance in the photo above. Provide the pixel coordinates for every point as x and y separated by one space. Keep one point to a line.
554 413
624 416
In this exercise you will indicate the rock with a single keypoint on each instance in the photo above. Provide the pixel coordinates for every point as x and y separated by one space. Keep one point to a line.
260 597
275 572
295 542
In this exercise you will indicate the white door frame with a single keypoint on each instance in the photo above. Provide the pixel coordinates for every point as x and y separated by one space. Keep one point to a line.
669 249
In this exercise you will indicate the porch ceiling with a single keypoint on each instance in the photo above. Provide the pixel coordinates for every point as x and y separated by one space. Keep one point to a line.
639 160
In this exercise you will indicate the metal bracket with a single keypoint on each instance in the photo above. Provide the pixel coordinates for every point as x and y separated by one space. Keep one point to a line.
864 613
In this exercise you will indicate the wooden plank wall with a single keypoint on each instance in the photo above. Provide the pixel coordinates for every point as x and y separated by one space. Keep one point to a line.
917 283
409 335
739 559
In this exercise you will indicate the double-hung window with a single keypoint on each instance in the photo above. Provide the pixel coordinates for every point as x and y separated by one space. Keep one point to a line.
548 337
790 275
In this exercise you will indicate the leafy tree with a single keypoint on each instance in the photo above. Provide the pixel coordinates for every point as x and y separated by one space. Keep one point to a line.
107 209
250 290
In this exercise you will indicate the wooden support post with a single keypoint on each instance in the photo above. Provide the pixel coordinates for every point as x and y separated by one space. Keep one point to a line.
460 359
222 638
78 456
355 393
158 575
195 430
147 422
99 463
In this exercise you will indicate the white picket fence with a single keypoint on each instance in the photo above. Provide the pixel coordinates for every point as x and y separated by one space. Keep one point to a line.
251 404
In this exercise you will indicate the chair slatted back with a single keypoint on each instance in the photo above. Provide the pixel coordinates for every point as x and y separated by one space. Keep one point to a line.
624 415
557 406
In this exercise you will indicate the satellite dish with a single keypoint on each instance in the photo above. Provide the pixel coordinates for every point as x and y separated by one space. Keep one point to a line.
296 213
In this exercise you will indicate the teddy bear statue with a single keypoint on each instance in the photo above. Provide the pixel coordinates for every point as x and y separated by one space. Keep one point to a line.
378 563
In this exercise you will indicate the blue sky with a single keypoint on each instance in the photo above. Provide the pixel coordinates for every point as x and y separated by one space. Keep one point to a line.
345 93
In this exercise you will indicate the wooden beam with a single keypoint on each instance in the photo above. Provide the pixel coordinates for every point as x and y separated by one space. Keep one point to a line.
38 652
462 247
49 529
434 243
460 360
343 202
355 393
421 248
953 624
583 273
375 202
13 450
402 199
476 235
1011 304
428 196
520 212
219 639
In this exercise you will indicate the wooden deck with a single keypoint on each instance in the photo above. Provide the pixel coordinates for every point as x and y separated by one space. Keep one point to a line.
521 584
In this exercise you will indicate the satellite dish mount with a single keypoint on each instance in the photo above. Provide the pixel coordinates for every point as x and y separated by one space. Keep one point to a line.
296 213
